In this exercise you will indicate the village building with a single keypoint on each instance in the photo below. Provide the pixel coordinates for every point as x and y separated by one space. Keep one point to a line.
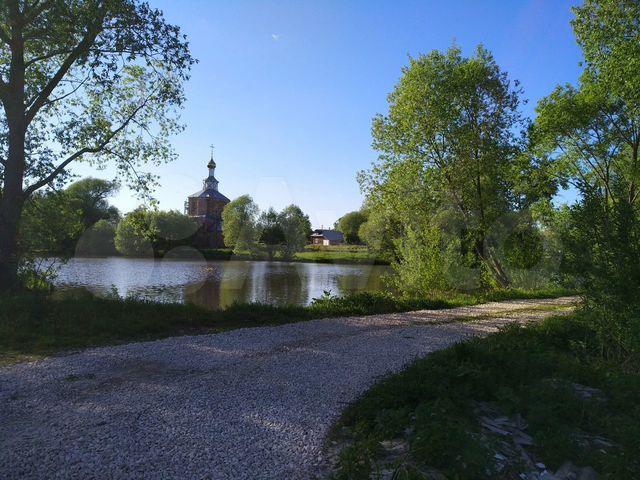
327 237
205 207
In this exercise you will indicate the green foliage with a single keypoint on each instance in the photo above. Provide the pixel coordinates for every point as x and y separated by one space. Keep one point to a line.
349 224
524 247
50 225
240 217
96 70
283 233
608 33
590 131
450 149
271 234
135 233
380 230
53 222
98 240
603 250
89 196
433 399
423 265
172 228
296 228
143 232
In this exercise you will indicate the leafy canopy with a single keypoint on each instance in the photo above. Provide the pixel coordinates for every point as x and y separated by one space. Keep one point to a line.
101 82
452 150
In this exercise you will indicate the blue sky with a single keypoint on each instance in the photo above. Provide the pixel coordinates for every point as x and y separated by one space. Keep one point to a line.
286 89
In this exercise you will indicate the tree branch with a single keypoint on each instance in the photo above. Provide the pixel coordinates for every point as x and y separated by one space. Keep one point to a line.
31 12
68 94
95 149
80 49
46 56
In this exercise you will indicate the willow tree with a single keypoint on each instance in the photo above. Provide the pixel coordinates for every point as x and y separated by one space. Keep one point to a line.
94 81
452 141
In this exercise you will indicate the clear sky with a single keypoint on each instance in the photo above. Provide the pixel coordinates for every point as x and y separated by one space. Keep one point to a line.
286 89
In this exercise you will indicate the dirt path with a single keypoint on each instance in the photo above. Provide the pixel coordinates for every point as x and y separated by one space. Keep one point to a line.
251 403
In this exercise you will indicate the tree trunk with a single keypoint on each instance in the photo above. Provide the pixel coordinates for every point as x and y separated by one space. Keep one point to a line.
12 197
483 250
11 209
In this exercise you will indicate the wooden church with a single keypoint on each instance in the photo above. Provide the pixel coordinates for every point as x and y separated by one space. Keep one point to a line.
205 207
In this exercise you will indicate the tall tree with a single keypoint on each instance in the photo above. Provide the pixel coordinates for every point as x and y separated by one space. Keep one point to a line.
349 224
592 130
239 218
90 196
452 140
296 228
84 80
271 234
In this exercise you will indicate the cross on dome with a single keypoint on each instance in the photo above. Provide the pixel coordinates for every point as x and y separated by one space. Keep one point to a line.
212 164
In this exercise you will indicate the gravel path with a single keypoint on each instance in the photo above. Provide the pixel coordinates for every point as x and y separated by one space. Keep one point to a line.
251 403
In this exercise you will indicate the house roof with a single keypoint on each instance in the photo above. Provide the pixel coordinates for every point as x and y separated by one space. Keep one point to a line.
331 235
210 193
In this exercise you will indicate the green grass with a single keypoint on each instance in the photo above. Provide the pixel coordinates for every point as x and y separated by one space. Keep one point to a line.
528 370
343 254
34 325
340 254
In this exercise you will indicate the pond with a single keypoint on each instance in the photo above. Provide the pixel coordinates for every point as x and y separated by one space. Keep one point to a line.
217 284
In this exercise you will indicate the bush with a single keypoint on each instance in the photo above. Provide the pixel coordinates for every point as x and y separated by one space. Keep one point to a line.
603 249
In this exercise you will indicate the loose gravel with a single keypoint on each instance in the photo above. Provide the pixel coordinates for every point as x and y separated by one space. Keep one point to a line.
251 403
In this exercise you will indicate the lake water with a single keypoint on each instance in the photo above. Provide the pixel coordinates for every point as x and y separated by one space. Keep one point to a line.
217 284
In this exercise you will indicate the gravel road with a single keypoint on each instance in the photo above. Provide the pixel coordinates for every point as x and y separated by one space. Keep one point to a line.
251 403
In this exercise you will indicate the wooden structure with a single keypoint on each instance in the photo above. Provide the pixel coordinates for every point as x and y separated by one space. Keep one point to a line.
327 237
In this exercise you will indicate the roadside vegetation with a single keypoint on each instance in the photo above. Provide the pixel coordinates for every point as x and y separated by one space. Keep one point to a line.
34 325
495 407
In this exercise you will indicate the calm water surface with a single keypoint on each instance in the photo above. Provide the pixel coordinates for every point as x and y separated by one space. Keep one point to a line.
217 284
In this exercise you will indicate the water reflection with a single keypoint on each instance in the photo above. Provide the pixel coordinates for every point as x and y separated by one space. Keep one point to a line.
217 284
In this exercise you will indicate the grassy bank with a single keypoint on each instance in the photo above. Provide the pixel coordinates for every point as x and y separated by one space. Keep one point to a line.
494 407
342 254
33 325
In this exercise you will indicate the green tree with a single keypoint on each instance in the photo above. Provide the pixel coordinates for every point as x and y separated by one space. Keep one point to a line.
592 132
171 229
271 234
90 196
95 81
50 225
98 240
349 224
239 218
144 229
380 229
296 228
135 233
53 221
450 147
